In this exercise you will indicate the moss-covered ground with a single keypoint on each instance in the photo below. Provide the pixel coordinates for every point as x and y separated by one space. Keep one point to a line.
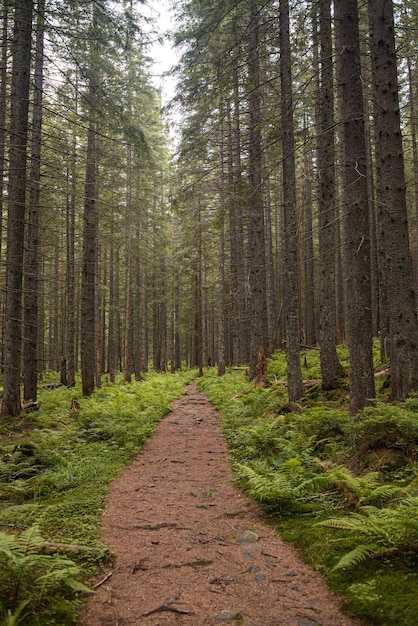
343 490
55 468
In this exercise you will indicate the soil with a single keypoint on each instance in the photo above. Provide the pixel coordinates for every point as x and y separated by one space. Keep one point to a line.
191 549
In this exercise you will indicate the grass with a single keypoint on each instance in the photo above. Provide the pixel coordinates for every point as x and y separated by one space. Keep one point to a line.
55 468
344 491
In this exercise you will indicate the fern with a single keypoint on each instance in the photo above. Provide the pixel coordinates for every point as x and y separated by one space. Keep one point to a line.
363 490
355 557
28 576
379 531
274 489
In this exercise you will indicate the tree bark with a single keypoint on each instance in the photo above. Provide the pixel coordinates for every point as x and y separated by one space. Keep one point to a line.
16 206
70 270
326 203
355 206
256 235
394 248
291 256
221 256
88 278
308 250
3 108
31 269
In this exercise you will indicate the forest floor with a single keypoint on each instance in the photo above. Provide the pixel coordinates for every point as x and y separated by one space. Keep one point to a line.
191 549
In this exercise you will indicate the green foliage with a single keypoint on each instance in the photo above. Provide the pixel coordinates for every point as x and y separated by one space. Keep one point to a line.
343 490
387 426
279 489
381 531
29 577
56 481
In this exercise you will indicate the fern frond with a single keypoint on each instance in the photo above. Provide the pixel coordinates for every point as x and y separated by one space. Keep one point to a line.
291 465
272 489
355 557
382 493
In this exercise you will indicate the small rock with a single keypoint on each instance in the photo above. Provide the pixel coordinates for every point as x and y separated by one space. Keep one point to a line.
260 578
253 569
228 616
291 574
306 621
248 536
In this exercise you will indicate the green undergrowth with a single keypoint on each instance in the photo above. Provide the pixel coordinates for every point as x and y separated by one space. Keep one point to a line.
343 490
55 468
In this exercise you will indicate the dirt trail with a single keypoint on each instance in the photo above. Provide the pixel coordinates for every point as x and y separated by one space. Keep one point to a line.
183 551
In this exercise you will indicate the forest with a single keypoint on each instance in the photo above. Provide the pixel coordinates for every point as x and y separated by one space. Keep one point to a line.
285 215
258 233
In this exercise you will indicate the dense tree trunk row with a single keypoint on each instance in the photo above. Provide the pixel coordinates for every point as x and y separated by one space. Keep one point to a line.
284 218
325 246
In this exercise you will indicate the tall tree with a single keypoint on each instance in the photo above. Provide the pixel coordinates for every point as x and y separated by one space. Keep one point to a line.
90 229
3 105
256 234
355 206
396 261
291 269
326 202
31 278
22 36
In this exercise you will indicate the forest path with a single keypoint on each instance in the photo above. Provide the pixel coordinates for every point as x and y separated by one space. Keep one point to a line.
191 549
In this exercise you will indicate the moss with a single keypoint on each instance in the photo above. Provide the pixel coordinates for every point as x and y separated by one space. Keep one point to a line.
383 592
58 480
334 455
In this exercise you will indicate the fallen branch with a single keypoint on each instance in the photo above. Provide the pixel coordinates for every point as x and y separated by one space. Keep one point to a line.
103 580
165 606
30 405
385 371
306 383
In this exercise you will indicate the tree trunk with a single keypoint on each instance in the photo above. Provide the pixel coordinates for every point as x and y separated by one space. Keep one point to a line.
143 358
31 269
88 279
236 234
291 257
256 235
413 117
221 256
16 206
326 203
90 222
112 321
397 270
129 322
308 248
355 206
3 110
70 279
